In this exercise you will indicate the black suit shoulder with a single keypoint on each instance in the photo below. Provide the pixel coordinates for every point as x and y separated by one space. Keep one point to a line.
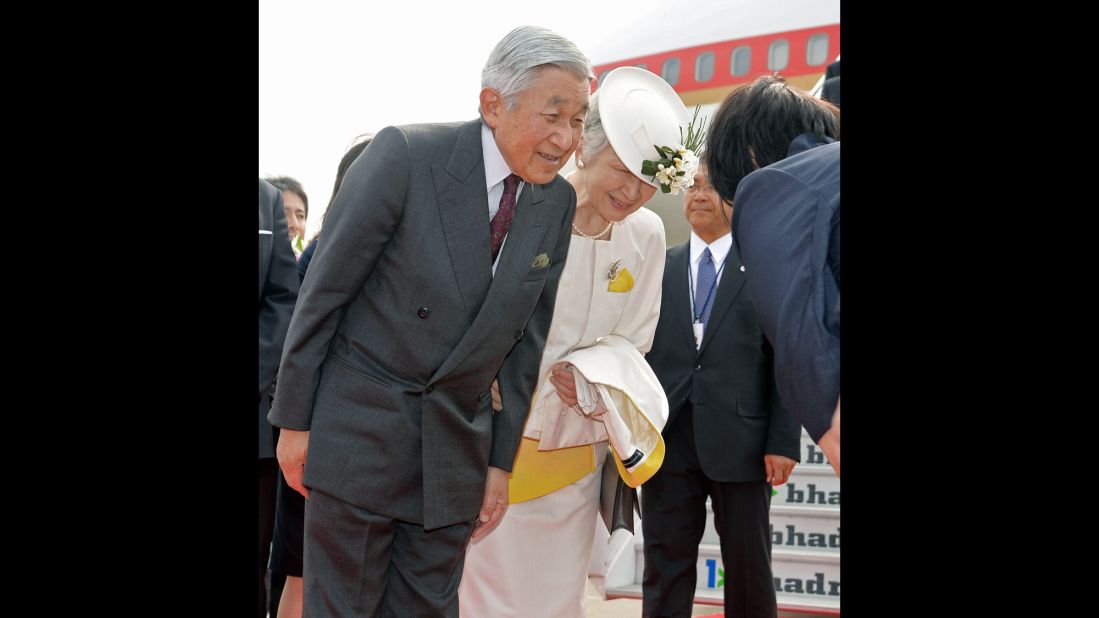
675 252
268 194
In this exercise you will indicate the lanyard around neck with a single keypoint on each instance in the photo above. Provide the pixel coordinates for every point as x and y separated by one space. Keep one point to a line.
709 295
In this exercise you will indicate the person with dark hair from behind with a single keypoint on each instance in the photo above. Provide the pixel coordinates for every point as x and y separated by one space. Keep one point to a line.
289 536
773 151
296 204
278 291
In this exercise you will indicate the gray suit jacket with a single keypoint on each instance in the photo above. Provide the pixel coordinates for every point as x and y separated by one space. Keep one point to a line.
729 382
278 289
402 327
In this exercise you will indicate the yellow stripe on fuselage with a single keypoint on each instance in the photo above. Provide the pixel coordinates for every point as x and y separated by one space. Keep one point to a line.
707 96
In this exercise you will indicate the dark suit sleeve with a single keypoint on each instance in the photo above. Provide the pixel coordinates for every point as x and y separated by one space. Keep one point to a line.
280 290
797 306
783 430
358 226
519 373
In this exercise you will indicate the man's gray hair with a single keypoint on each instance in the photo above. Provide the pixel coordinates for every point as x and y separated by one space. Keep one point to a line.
594 139
514 63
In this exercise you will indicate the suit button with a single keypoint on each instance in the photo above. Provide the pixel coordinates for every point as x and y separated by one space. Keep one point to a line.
698 367
427 391
518 335
423 313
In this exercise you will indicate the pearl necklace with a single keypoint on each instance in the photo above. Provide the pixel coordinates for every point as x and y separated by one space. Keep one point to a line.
597 236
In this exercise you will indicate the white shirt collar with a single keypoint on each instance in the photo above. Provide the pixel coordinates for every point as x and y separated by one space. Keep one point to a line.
496 168
718 249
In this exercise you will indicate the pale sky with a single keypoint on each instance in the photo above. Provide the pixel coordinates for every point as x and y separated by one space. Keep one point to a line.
332 69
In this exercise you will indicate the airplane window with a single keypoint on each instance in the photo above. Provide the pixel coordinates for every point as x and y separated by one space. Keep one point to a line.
778 55
602 76
642 66
670 72
704 67
741 60
816 51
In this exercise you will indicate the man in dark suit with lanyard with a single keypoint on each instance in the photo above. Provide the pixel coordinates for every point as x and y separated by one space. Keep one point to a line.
728 436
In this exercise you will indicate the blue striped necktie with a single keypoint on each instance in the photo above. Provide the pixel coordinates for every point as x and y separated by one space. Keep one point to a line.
707 276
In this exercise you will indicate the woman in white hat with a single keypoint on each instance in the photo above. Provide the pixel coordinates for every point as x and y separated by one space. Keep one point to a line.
536 562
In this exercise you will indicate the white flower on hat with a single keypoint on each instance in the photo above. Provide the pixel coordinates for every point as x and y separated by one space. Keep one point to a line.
675 166
690 161
666 176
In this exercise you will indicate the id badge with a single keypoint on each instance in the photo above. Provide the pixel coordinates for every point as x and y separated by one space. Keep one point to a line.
698 326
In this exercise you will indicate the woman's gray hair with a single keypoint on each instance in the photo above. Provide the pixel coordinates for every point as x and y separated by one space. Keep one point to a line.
515 62
594 139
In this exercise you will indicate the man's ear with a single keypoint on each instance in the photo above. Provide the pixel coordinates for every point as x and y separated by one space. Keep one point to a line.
491 106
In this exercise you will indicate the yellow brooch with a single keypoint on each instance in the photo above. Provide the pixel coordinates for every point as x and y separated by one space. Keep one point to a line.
620 278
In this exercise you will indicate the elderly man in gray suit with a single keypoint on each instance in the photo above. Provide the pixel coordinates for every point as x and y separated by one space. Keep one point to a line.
438 274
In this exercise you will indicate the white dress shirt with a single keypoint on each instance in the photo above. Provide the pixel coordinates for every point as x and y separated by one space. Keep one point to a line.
496 170
719 249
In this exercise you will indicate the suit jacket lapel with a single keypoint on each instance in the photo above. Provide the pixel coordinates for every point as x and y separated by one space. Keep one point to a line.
523 239
732 282
680 291
520 247
463 208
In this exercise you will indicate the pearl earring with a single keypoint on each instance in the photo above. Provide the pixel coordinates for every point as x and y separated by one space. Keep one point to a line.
580 163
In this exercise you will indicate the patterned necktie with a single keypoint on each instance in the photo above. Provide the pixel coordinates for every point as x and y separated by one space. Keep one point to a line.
704 300
502 221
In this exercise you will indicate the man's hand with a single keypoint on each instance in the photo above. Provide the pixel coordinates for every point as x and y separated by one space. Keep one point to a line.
565 383
494 505
830 441
291 452
836 420
778 468
497 402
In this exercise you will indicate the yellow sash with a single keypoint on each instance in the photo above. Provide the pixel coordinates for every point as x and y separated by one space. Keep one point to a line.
537 473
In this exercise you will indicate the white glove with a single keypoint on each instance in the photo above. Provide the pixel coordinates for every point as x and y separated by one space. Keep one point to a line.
587 396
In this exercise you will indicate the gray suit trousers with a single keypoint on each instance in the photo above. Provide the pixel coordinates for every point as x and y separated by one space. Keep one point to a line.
359 563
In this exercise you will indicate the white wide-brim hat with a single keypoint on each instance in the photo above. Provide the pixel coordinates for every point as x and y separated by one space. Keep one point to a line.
640 111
